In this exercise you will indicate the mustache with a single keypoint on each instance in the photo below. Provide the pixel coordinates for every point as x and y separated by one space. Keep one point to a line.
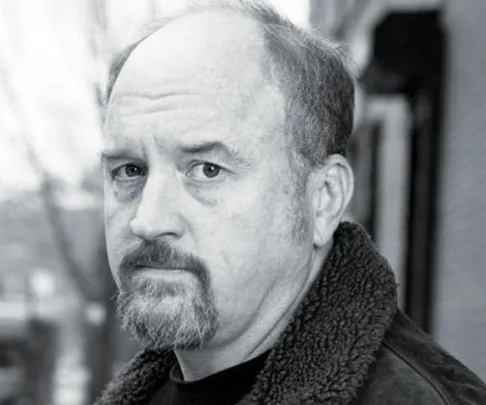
161 255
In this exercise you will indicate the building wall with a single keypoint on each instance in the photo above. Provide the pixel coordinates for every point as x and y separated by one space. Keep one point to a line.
460 313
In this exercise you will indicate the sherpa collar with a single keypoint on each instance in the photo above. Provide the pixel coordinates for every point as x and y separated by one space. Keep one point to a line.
324 354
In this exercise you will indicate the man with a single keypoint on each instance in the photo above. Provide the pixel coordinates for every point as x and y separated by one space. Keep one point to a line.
225 187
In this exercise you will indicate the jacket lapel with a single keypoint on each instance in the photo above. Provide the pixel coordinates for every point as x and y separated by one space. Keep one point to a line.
324 355
139 381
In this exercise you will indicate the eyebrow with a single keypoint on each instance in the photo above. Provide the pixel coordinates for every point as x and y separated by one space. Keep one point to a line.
217 148
107 156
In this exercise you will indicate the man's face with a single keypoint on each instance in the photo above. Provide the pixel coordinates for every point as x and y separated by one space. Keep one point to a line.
206 234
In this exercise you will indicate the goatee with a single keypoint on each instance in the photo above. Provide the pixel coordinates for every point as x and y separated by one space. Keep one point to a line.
166 313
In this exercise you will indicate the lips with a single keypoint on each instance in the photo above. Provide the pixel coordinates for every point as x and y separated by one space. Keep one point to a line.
158 266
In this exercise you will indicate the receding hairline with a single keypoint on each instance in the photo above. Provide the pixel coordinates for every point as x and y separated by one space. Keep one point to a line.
312 72
255 10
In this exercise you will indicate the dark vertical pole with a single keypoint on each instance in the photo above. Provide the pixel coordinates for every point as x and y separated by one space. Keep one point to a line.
426 106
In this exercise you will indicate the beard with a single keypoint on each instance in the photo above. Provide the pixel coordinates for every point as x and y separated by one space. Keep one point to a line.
166 313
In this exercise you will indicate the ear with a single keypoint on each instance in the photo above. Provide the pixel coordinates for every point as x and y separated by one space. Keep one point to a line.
332 187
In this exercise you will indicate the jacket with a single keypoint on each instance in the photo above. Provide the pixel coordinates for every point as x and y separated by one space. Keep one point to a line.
347 343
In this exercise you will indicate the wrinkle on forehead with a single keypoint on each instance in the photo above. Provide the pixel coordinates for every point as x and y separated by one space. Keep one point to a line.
215 52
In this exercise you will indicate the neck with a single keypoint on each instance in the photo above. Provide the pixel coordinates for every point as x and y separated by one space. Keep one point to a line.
264 330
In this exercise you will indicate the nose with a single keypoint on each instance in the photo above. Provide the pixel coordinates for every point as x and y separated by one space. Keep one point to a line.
158 214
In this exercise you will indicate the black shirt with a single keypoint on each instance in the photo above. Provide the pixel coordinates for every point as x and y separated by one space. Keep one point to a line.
226 387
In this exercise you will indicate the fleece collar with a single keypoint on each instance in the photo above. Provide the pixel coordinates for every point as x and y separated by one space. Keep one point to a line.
324 354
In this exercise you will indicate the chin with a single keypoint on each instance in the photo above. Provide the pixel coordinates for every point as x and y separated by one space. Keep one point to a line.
168 316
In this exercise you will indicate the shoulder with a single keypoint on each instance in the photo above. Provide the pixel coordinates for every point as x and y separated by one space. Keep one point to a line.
412 369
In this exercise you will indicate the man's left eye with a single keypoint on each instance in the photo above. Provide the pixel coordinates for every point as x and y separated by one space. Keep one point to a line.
205 171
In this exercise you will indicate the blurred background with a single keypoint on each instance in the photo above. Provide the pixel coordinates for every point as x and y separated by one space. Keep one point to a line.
418 150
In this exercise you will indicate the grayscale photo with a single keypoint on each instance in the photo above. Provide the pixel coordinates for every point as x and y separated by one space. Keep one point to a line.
242 202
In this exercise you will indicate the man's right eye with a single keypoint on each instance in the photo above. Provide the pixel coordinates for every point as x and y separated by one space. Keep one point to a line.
128 171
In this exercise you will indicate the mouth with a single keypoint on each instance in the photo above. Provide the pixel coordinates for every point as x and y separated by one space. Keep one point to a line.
158 267
158 271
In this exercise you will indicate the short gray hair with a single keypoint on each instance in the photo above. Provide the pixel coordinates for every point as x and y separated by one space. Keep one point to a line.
310 69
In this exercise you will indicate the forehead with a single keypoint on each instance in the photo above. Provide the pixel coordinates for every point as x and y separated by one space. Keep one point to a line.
207 66
215 51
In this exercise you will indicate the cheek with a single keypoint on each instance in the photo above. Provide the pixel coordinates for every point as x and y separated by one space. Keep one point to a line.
252 199
241 280
117 219
246 231
248 213
119 212
114 214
